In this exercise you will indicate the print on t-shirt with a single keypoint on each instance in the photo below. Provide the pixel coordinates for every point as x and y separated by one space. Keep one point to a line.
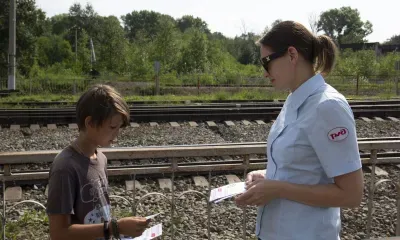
98 215
97 198
96 190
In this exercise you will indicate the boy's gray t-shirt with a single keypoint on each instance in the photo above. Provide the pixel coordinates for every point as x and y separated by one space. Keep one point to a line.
79 186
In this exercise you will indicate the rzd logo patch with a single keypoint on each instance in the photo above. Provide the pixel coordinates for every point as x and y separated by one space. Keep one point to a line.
338 134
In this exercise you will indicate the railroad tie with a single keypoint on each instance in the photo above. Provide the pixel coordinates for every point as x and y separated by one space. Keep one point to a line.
200 159
379 119
174 124
200 181
144 161
73 126
193 124
51 126
129 185
365 119
13 194
134 125
232 179
165 183
227 158
116 162
34 127
153 124
246 123
260 122
254 157
229 123
379 171
15 127
394 119
211 124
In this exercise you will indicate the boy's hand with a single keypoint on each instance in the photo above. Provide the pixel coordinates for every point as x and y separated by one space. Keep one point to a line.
133 226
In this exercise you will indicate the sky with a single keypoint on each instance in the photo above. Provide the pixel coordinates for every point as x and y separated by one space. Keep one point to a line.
237 16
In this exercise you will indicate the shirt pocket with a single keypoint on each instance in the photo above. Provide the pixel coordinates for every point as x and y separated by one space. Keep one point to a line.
300 163
283 148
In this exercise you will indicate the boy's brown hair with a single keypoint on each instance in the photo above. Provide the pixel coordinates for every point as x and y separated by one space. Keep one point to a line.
101 102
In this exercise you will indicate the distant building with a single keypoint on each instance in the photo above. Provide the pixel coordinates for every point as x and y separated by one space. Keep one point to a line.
380 49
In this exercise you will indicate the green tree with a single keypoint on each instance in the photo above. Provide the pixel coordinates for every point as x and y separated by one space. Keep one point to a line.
188 21
139 57
83 19
166 47
363 63
273 24
344 25
387 63
31 23
60 24
393 40
53 49
83 63
244 48
112 46
145 21
194 54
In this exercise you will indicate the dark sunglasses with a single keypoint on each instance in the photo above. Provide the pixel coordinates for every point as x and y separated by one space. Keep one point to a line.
267 59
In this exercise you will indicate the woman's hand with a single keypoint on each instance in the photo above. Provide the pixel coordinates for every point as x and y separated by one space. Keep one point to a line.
255 175
259 192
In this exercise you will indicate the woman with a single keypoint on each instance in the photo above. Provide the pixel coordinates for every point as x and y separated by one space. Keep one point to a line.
314 167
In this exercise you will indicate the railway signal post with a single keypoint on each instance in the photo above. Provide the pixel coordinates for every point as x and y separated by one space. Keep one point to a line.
397 67
157 67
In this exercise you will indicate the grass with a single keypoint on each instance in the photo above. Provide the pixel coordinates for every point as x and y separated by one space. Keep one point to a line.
244 94
38 98
31 225
220 95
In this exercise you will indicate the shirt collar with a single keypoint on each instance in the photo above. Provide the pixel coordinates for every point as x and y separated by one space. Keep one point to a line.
297 98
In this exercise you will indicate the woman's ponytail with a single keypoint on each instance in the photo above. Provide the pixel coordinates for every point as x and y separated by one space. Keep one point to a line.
325 52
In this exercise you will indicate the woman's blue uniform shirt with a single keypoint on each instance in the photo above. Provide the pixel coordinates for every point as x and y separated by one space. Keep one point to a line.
313 140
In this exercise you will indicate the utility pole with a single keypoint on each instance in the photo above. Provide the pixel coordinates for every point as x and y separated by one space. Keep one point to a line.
11 46
76 46
157 67
76 55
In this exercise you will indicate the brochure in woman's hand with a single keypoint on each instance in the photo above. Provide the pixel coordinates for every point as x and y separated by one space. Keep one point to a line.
227 191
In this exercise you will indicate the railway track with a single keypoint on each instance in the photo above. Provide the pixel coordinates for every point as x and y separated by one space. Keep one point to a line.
223 158
189 112
279 102
175 191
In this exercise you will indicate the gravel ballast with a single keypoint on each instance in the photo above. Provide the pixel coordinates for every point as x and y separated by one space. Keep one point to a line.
191 222
45 139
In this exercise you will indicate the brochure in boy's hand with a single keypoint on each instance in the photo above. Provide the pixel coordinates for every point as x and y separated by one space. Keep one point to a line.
152 216
150 233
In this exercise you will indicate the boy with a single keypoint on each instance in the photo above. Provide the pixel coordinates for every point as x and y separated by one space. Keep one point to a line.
78 203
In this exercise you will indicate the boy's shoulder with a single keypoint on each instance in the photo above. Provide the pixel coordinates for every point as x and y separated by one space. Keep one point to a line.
101 155
64 160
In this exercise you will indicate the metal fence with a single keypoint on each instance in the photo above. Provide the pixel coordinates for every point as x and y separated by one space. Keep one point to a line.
347 84
365 85
173 168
